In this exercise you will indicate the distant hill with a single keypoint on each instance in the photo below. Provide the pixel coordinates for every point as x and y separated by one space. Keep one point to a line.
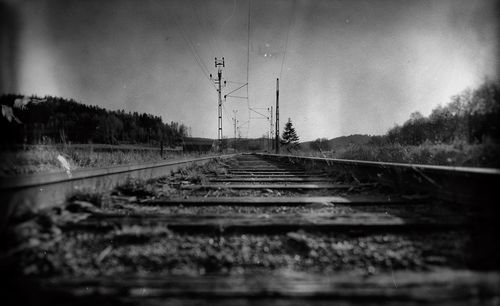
341 142
199 140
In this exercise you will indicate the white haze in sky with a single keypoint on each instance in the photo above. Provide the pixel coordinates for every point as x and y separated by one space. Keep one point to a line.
350 66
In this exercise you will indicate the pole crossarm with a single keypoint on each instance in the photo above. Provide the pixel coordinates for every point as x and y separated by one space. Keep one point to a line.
237 97
253 110
244 123
227 95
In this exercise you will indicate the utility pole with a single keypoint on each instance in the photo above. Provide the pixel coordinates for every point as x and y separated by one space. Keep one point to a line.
271 131
235 128
219 64
277 137
235 122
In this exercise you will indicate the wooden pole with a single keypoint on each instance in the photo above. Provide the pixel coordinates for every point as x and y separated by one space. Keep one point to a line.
277 127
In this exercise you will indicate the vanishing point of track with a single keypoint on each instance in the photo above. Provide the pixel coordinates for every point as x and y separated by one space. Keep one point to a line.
261 230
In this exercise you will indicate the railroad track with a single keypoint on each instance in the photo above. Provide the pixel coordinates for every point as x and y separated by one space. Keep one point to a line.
255 229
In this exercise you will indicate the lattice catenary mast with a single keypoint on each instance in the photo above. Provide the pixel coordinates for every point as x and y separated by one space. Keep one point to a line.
219 64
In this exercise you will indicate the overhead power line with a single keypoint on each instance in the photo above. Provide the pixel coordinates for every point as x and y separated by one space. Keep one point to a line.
194 52
193 7
192 48
249 24
227 115
212 30
204 24
248 38
286 39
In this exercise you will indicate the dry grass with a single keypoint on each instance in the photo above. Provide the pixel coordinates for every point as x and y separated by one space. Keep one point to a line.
456 154
136 187
95 198
43 159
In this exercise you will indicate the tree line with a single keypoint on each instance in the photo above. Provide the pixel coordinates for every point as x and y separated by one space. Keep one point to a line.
52 119
471 116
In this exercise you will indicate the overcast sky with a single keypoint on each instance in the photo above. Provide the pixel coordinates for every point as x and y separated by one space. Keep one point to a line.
350 66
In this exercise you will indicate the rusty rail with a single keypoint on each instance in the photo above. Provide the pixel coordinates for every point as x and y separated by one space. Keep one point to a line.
465 185
51 189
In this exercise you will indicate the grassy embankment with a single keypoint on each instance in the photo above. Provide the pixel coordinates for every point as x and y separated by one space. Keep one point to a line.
59 123
464 132
43 158
457 154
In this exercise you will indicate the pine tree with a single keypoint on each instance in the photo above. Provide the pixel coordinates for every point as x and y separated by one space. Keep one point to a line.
289 138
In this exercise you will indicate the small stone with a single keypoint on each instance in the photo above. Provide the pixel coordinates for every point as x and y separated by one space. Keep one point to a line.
81 207
298 243
371 270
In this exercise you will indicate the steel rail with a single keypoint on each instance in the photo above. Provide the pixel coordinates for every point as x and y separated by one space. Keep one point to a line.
361 213
464 185
421 288
51 189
